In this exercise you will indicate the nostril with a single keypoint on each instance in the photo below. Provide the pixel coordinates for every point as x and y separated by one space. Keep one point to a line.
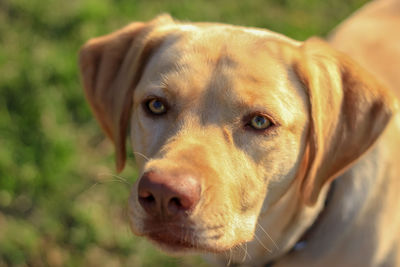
148 199
168 196
144 194
181 203
148 202
175 202
175 206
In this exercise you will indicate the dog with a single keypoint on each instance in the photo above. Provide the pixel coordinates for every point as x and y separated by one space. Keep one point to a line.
253 145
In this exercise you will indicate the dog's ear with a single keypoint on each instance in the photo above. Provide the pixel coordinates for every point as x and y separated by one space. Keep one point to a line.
111 67
348 112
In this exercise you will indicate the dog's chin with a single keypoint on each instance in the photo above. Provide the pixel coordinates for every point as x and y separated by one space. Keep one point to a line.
186 242
179 240
177 248
172 247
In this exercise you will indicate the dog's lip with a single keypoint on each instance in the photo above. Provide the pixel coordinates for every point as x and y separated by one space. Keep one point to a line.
180 238
175 245
175 236
170 242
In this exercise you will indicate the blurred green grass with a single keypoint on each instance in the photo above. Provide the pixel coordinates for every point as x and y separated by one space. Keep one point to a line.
60 203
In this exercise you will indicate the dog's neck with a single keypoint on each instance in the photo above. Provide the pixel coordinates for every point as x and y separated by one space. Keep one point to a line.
338 228
289 234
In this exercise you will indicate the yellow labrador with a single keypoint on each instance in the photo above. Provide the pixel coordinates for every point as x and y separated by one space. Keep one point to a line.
277 151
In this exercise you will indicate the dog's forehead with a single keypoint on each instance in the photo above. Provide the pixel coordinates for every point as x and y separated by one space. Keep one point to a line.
205 29
213 65
202 48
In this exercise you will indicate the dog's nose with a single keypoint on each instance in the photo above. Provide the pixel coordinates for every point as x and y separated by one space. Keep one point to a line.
164 195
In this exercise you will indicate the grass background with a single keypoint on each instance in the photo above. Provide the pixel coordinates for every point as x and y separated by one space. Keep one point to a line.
60 203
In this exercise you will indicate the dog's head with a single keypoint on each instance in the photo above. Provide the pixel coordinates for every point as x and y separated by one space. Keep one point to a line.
226 120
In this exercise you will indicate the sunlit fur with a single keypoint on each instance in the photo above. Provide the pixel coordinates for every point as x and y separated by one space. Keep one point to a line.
260 190
211 86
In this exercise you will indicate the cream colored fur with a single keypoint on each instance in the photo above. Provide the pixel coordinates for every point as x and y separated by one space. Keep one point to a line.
334 122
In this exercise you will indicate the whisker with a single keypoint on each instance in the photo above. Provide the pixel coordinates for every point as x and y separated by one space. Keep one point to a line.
119 178
246 254
230 258
141 154
91 187
226 254
273 242
259 241
101 183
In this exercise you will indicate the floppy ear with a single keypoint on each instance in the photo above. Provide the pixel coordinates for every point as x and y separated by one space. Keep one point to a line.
348 112
111 67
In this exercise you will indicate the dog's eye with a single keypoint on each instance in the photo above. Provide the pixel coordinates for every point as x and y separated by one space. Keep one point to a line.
156 106
260 122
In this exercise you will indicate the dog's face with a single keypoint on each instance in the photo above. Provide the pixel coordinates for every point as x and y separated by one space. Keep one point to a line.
216 120
224 121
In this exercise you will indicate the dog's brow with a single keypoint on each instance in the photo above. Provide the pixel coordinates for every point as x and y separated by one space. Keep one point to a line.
166 90
262 108
162 91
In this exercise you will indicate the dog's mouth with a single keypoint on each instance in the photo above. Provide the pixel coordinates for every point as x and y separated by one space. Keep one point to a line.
172 214
183 237
172 241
